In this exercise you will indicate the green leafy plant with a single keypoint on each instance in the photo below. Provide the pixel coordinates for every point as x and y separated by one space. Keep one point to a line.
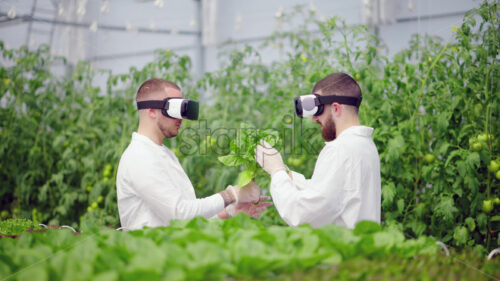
434 107
237 248
242 151
16 226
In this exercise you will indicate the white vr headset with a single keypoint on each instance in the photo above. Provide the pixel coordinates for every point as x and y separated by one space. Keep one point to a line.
313 104
178 108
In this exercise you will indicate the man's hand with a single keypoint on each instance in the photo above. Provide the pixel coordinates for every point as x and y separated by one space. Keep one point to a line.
235 195
269 158
252 209
248 193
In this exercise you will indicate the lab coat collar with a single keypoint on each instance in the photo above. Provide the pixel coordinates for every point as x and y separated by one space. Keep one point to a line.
162 149
362 131
142 138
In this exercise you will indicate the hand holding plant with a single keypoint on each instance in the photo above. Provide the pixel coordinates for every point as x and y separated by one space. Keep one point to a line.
243 152
269 158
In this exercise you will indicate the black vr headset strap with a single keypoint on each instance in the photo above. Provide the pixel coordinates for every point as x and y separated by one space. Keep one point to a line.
340 99
157 104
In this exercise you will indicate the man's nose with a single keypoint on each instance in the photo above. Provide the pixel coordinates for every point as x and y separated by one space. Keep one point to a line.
315 118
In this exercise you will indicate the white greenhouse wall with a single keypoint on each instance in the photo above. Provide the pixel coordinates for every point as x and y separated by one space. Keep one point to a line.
239 20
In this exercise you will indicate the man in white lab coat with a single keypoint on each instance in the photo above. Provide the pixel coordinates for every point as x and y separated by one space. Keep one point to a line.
345 185
152 187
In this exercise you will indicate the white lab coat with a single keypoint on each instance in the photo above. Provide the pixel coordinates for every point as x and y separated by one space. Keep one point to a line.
344 188
152 187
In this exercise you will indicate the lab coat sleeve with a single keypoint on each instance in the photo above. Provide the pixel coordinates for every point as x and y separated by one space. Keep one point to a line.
164 199
312 201
299 180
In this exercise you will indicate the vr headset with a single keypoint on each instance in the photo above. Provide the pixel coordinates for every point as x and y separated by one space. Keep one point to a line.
313 104
178 108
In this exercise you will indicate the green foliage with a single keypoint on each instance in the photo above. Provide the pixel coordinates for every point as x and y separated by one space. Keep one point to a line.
460 266
198 249
16 226
61 139
242 151
240 248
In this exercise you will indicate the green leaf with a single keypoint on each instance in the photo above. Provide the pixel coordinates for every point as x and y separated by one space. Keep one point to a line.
462 168
387 239
395 147
481 220
461 235
442 122
106 276
366 227
443 148
245 177
334 259
35 272
401 205
472 183
388 194
231 160
446 209
473 160
452 155
471 224
417 227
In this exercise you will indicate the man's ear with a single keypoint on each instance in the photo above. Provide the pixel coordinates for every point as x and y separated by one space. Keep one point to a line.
152 113
337 109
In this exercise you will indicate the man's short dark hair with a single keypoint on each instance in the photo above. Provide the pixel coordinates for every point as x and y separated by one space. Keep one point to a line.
338 84
148 88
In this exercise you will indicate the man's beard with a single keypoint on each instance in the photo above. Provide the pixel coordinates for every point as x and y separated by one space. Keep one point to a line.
328 130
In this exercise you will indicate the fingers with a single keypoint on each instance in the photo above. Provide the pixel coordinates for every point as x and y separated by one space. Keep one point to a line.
264 147
259 155
261 202
265 144
264 198
264 205
254 210
259 148
260 210
257 212
264 150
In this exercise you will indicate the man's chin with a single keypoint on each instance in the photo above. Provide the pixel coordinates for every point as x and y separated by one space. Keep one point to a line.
327 135
172 134
327 139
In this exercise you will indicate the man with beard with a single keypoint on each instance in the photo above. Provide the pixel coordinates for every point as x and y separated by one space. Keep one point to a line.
345 185
152 187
